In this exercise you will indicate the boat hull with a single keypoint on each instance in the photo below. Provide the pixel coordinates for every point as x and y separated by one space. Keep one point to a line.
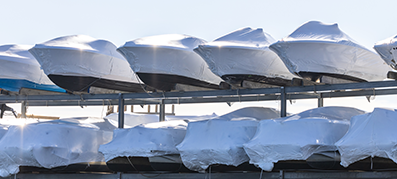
83 84
76 70
310 58
170 65
168 82
245 63
15 85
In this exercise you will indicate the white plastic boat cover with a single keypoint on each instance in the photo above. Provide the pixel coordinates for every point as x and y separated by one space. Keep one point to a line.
53 143
81 55
220 140
372 134
170 54
387 49
243 52
146 140
134 119
298 136
324 48
20 69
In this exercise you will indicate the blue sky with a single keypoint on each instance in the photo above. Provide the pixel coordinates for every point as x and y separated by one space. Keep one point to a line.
30 22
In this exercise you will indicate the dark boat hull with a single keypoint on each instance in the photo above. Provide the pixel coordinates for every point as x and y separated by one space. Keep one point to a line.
83 83
166 82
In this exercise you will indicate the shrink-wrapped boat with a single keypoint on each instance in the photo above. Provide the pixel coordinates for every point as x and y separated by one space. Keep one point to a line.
370 135
20 70
79 62
323 53
168 62
220 140
53 144
244 56
299 136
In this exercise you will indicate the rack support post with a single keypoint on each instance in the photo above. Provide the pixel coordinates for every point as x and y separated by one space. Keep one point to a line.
121 112
320 101
23 109
283 102
162 110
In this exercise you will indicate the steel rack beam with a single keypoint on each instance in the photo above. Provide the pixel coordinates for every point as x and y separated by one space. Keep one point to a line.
209 93
215 99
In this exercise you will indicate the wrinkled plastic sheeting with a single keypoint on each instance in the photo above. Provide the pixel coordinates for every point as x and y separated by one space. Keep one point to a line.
50 144
298 136
324 48
370 135
134 119
146 140
244 51
168 54
161 138
18 63
81 55
387 49
220 140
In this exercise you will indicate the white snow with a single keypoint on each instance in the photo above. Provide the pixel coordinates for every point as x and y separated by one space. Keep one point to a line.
170 54
324 48
245 52
298 136
220 140
53 143
387 49
81 55
372 134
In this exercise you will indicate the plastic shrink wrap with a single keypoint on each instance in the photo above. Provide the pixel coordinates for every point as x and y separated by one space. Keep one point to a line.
220 140
298 136
163 60
65 59
19 69
372 134
53 143
146 140
243 52
387 49
317 49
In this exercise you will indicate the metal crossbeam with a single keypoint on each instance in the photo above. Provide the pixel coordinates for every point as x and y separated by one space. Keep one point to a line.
210 93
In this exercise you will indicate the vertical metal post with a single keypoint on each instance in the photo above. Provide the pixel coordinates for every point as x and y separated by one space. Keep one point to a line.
320 100
283 102
121 112
173 109
162 110
148 108
23 109
281 174
132 108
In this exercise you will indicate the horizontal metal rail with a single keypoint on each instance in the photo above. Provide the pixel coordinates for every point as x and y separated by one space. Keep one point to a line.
210 95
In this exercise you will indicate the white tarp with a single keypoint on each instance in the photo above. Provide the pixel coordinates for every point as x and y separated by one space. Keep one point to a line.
387 49
324 48
146 140
53 143
298 136
134 119
81 55
372 134
220 140
170 54
243 52
18 64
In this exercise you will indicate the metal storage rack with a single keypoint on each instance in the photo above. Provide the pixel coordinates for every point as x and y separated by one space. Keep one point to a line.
283 94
